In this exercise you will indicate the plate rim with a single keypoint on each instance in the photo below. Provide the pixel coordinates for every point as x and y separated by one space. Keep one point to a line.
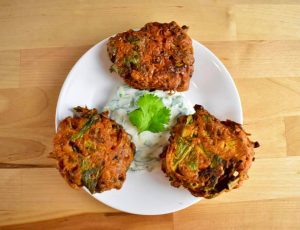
236 92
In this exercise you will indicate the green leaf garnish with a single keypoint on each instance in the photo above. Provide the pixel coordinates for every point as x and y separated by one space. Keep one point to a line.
151 115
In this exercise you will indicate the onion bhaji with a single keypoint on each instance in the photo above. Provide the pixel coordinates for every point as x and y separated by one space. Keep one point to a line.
157 57
207 156
92 151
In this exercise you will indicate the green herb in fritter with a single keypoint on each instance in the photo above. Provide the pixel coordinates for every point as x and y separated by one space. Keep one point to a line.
133 40
114 68
132 59
182 150
90 178
85 127
192 161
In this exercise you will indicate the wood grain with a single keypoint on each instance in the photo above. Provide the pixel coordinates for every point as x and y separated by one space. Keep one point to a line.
252 59
30 20
37 193
102 221
265 214
9 69
48 195
28 146
274 145
257 40
266 98
268 216
292 132
48 67
28 107
267 22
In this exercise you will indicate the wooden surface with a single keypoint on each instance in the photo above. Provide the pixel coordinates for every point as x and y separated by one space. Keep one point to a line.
259 42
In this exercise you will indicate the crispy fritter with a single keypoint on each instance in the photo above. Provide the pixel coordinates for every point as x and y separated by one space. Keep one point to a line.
157 57
92 150
207 156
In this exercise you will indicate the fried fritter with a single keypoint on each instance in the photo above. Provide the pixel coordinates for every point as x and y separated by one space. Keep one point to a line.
207 156
92 151
157 57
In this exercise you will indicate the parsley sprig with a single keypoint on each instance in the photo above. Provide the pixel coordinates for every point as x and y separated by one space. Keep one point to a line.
152 115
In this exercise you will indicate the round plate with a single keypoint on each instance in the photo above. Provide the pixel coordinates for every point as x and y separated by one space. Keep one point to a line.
90 84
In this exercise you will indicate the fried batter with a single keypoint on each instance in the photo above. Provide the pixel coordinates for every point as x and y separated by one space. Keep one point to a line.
157 57
92 150
207 156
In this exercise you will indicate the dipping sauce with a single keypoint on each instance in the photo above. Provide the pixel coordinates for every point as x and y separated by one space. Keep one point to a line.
148 145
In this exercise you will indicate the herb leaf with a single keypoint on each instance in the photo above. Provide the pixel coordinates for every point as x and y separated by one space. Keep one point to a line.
114 68
90 178
151 115
182 150
192 161
132 59
133 40
85 127
139 119
216 161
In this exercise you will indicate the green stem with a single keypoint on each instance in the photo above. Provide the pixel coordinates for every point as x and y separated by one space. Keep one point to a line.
85 127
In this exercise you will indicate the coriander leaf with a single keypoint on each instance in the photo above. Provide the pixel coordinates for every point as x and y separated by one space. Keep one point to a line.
151 115
158 122
139 119
150 103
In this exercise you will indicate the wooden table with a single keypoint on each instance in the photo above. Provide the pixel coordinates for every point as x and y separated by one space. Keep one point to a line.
259 42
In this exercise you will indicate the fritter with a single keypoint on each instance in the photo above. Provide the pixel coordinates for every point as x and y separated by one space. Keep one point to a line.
207 156
157 57
92 151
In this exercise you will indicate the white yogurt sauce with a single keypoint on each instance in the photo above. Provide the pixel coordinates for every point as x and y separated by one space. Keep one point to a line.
148 145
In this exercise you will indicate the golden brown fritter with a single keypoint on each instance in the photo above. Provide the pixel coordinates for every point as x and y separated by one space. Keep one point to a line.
159 56
207 156
92 151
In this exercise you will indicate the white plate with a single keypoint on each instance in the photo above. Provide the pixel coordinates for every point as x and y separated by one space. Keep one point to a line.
90 83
